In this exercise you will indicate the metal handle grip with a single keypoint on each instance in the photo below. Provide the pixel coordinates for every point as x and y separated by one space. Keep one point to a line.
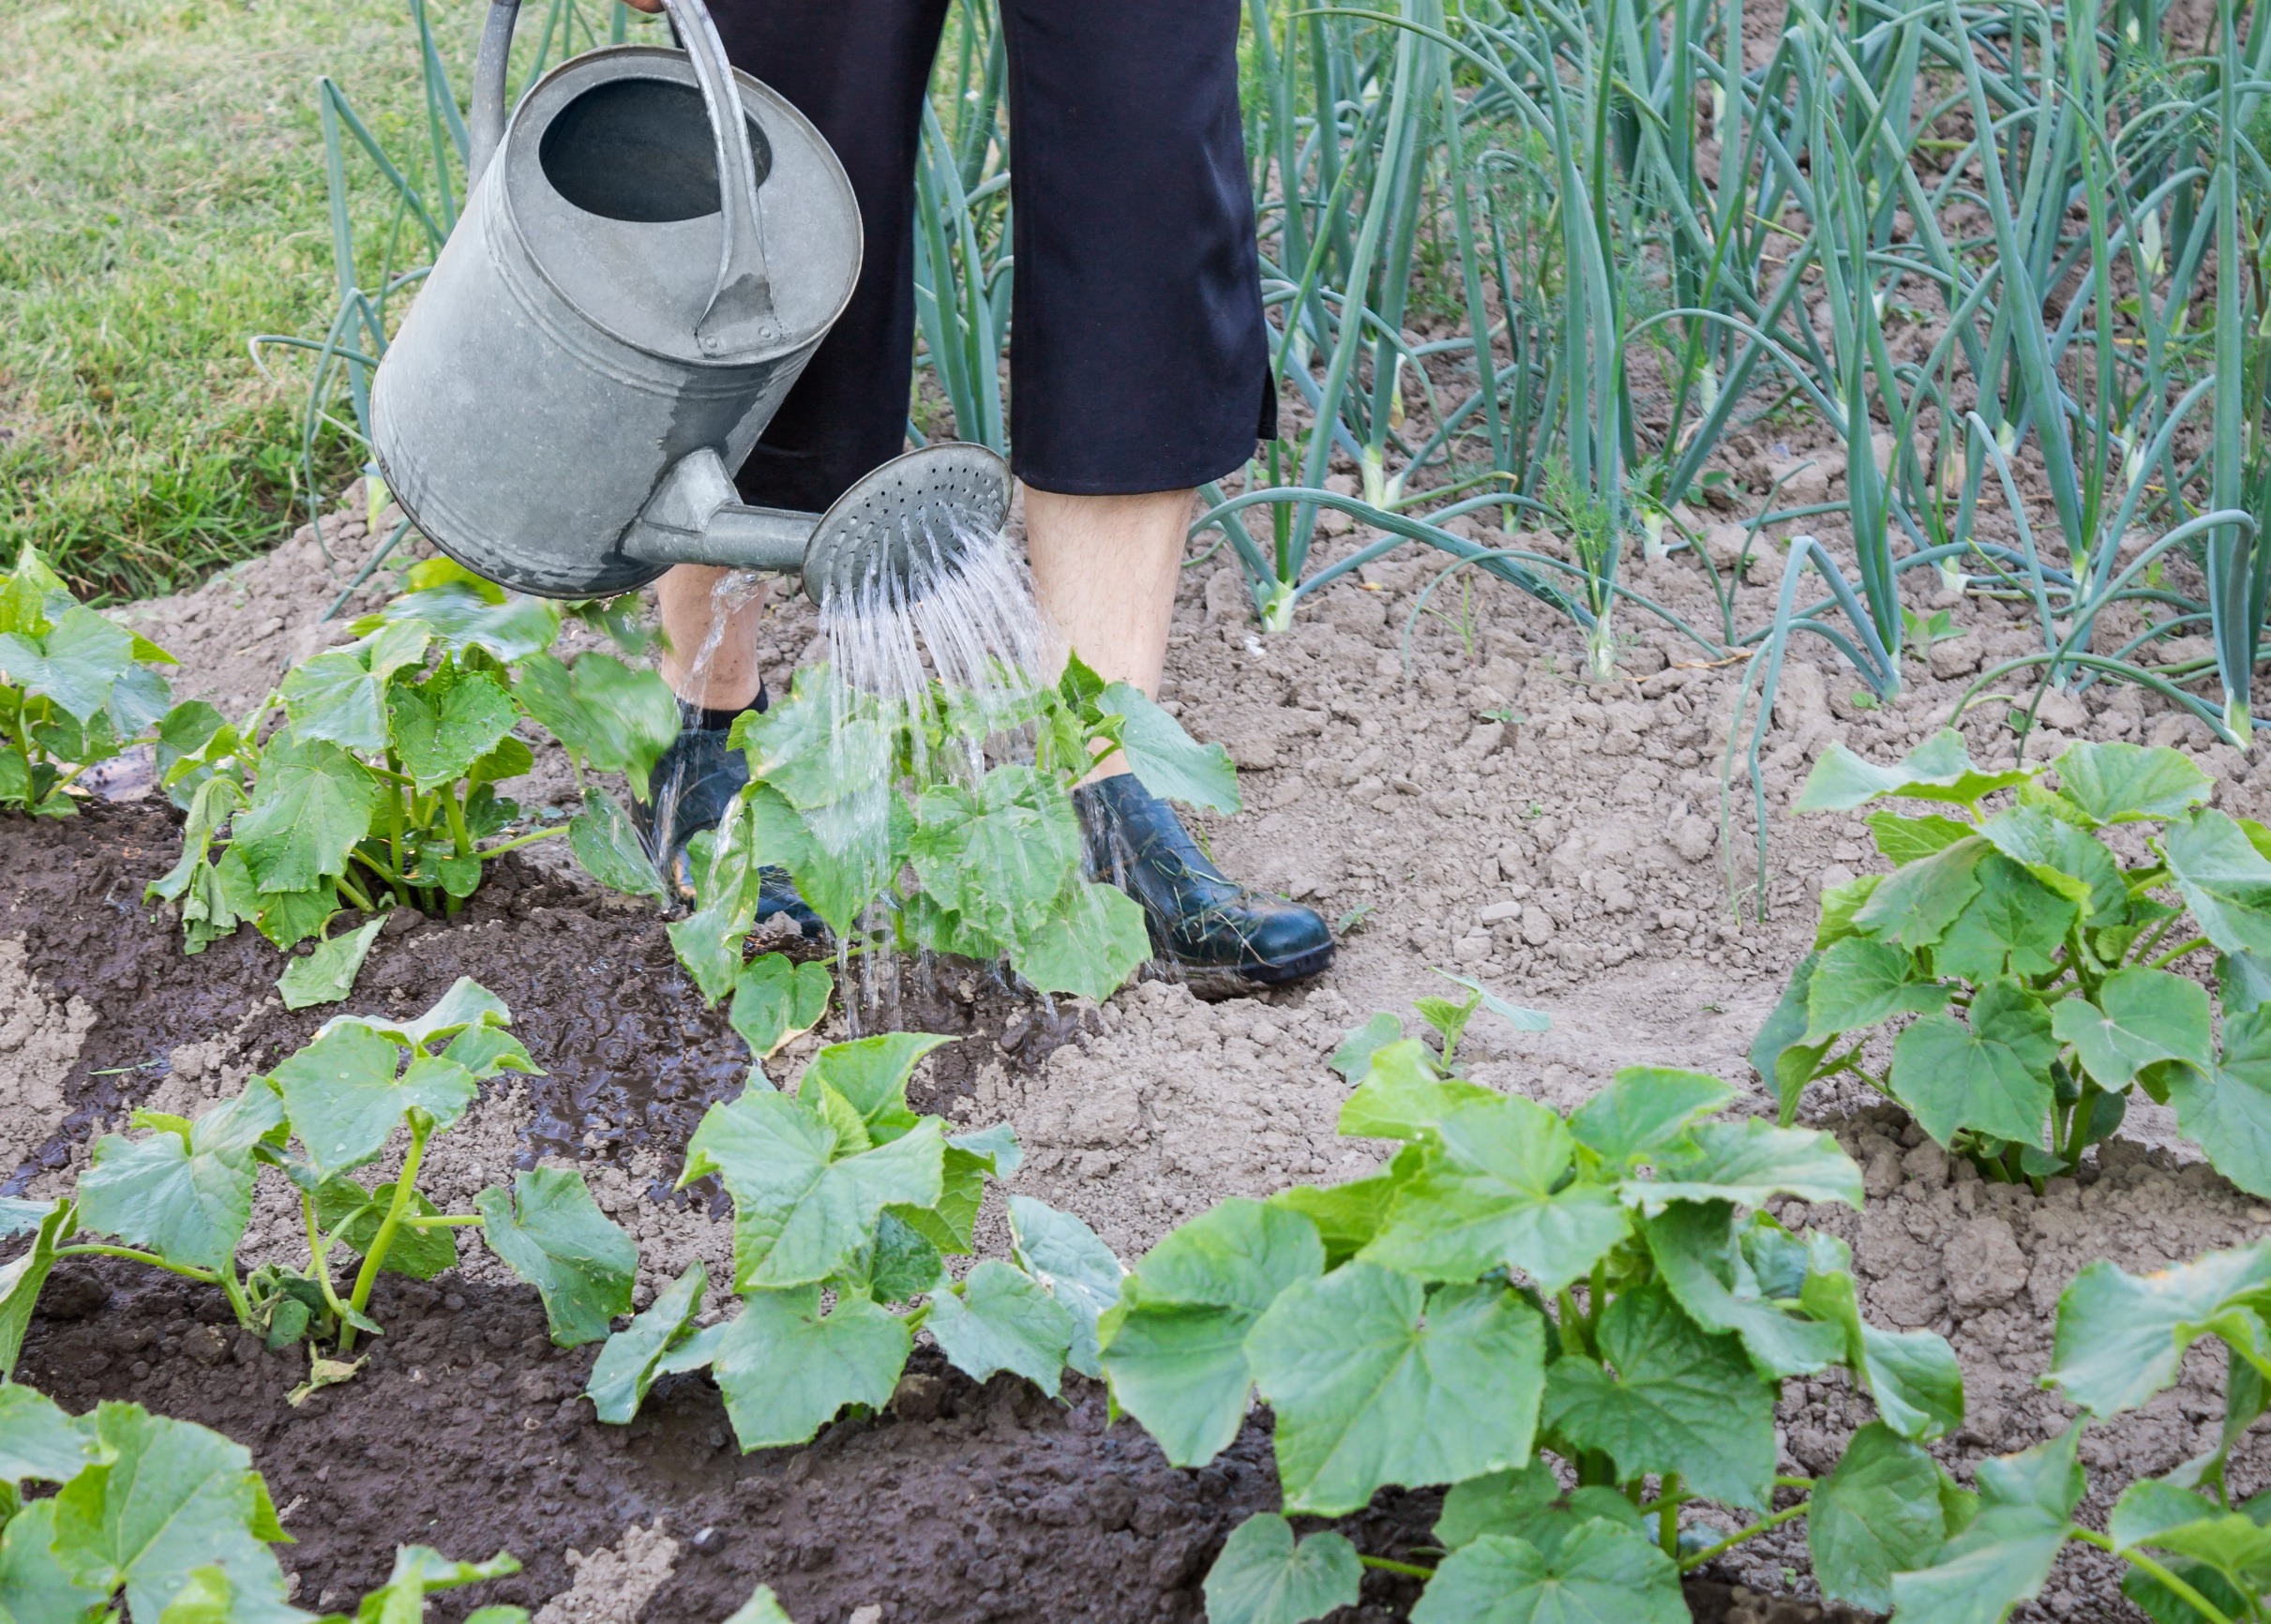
739 312
487 128
740 305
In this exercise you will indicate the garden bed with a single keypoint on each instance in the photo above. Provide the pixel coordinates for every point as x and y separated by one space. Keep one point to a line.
1569 858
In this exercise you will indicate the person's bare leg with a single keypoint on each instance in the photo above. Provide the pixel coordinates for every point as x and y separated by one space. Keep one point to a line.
711 624
1104 570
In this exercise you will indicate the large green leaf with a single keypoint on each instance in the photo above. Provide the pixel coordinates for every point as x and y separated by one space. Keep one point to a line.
1528 1505
1904 839
603 713
23 1275
2067 860
1174 1346
463 612
1375 1379
1073 1264
1748 1162
2124 783
775 1000
168 1498
466 1005
872 1073
840 874
1913 1375
1779 1053
1939 768
1498 1194
419 1571
2014 926
355 1214
2223 878
1858 983
1090 942
1003 1320
1347 1215
2243 983
1679 1399
1699 1260
340 695
799 1210
2004 1553
344 1096
34 1585
1603 1573
819 745
1993 1075
1644 1110
1166 760
74 664
628 1365
441 726
327 974
1263 1578
2162 1516
606 843
1403 1096
2141 1017
1353 1058
311 803
37 1440
551 1233
1914 905
186 1192
786 1369
2227 1111
1877 1514
1000 854
2120 1337
1840 904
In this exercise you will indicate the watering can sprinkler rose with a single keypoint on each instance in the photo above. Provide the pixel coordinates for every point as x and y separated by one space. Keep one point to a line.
605 336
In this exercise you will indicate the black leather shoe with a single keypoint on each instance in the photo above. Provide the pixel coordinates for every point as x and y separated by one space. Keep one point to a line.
698 776
1198 918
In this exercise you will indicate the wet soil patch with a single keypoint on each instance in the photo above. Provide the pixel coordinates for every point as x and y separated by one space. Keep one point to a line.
631 1054
961 1503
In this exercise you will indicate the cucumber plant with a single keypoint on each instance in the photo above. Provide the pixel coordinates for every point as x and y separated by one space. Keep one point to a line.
845 1206
378 787
75 688
2029 966
1518 1298
180 1198
170 1519
900 836
2194 1554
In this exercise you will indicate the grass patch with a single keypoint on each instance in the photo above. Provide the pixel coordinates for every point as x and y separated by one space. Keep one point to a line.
169 203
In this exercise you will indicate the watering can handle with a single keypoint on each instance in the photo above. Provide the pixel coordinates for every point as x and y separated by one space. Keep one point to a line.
740 310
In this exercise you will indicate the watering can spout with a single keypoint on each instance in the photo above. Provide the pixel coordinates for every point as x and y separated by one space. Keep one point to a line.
695 516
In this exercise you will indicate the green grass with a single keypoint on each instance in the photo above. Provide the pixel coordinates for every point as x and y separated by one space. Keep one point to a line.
167 202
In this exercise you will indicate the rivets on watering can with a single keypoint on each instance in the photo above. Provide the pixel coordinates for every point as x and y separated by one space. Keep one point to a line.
710 343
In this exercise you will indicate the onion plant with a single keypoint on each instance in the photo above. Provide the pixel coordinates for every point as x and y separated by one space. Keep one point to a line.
1565 265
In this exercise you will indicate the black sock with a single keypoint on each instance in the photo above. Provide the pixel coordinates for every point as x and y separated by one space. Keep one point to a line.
692 717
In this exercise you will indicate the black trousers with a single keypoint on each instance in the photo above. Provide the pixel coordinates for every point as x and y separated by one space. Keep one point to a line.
1139 358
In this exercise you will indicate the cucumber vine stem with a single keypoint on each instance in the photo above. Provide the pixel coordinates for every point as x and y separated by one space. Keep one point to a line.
2154 1570
405 1186
1387 1565
1689 1564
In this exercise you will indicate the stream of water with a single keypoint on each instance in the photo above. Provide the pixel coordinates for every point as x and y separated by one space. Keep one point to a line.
963 615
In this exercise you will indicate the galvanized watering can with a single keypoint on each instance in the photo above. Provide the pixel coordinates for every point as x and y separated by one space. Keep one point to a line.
604 338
